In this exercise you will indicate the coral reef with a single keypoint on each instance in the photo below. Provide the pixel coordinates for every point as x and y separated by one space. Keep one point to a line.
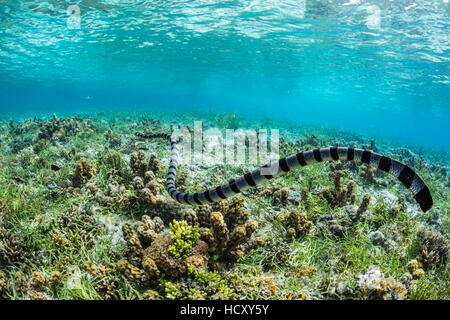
184 238
149 187
230 234
159 252
297 223
141 166
305 271
281 196
62 129
374 286
11 249
433 247
363 207
147 229
3 286
150 252
84 215
415 269
368 172
340 196
83 172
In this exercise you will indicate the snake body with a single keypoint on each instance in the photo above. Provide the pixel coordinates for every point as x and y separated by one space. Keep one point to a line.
402 172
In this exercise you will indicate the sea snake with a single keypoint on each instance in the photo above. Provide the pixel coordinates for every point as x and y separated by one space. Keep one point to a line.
402 172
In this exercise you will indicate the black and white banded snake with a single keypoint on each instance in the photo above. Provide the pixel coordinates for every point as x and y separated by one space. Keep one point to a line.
402 172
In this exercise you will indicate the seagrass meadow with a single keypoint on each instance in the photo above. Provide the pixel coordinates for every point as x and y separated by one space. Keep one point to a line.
94 204
84 214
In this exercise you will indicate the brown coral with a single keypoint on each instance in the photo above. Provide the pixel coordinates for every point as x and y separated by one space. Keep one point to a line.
203 214
363 207
140 166
368 172
305 271
158 251
433 247
131 236
37 281
3 285
340 196
373 285
107 288
284 195
230 233
83 172
297 223
64 128
10 247
150 295
280 195
55 279
132 272
149 187
147 229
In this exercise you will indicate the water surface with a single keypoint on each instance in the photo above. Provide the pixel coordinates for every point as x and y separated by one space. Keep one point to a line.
375 67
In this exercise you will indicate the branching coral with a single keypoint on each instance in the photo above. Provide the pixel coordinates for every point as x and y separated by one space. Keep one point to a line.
182 179
434 247
363 207
340 196
149 252
305 271
230 233
11 249
415 268
55 279
140 166
107 288
68 155
148 188
305 198
115 194
373 285
20 282
147 229
37 286
212 283
203 214
83 172
4 286
150 295
281 196
77 228
134 249
132 272
139 267
184 238
201 284
297 223
64 128
253 283
173 267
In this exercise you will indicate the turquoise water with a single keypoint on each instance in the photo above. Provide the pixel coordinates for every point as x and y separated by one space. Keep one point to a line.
375 67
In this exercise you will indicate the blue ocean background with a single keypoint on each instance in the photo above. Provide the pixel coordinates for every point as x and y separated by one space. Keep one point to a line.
379 68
